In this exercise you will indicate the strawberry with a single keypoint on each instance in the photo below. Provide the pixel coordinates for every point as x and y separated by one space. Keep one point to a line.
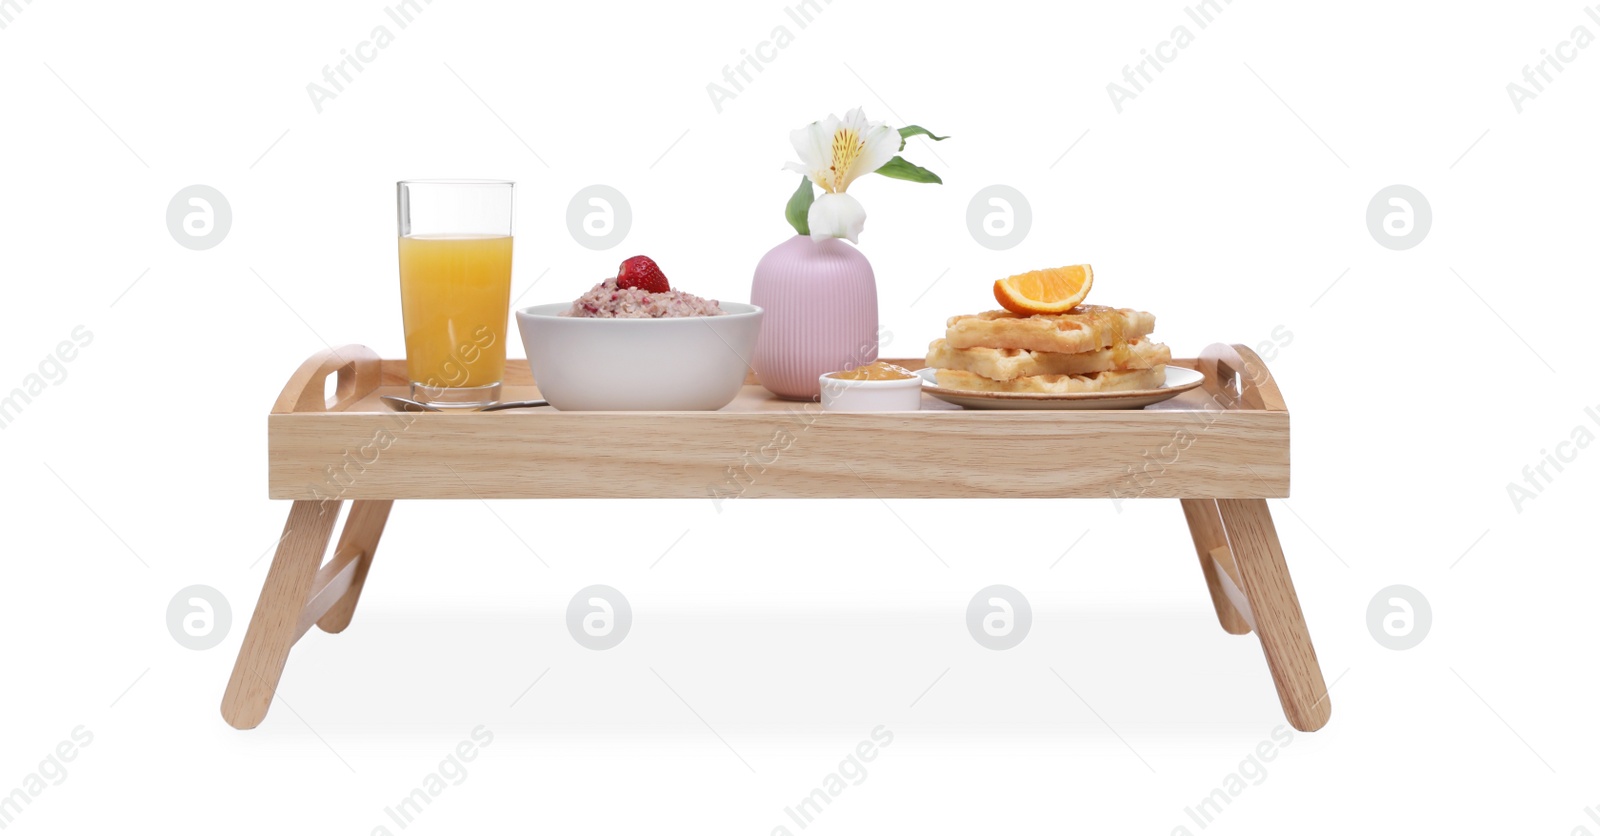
641 272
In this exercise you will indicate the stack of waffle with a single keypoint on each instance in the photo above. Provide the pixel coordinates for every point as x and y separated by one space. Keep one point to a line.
1090 348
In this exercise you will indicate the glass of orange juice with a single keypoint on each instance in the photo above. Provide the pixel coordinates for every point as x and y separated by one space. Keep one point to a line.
455 287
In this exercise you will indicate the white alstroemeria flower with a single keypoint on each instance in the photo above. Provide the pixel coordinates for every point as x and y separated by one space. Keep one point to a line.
836 216
833 153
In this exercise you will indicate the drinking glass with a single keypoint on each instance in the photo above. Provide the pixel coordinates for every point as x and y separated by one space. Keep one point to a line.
455 287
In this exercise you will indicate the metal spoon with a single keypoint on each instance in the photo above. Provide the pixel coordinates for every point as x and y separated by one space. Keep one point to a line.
400 404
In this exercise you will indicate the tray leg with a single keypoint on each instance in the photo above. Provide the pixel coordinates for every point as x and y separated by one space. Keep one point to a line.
362 530
274 627
1205 526
1279 623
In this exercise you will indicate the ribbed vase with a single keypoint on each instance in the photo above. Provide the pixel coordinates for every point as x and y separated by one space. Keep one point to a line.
821 303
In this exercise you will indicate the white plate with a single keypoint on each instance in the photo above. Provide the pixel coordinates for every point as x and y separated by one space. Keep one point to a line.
1179 380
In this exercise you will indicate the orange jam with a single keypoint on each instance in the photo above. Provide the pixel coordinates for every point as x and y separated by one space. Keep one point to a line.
877 371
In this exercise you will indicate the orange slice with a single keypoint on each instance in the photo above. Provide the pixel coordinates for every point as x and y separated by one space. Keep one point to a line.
1052 291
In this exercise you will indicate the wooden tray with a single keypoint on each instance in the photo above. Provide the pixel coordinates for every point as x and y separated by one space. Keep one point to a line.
1222 449
1227 438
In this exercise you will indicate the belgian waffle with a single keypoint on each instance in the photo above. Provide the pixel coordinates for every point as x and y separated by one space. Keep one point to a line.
1012 363
1085 328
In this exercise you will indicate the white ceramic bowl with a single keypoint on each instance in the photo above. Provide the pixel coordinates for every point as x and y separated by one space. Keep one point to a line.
673 363
840 395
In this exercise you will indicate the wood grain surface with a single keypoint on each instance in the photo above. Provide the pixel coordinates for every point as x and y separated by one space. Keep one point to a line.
362 530
1279 623
275 625
1205 527
1203 443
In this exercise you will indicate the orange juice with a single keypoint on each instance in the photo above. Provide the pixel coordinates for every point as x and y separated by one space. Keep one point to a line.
454 294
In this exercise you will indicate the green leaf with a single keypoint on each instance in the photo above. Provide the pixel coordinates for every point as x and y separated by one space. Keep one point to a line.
799 206
910 131
899 169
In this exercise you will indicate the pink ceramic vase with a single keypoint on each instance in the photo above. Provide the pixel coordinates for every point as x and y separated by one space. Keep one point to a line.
821 304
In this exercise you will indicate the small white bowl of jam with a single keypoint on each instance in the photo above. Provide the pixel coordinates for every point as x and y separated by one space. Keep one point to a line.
876 387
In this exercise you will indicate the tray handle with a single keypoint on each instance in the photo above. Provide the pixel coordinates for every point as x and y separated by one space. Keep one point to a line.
359 369
1239 375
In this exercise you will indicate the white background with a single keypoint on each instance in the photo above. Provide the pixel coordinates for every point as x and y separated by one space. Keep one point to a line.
1227 198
